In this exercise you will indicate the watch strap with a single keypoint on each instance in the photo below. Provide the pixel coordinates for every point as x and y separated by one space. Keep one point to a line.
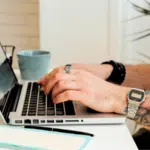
118 74
132 110
135 98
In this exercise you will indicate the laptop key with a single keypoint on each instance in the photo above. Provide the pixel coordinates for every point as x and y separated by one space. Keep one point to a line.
31 113
59 113
59 109
69 108
59 106
32 107
50 108
50 112
41 109
40 113
50 104
24 111
23 114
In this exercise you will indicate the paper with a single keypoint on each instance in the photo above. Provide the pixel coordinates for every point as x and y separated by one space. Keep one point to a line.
23 139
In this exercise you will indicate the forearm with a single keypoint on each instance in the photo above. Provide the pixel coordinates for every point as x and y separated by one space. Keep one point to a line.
137 76
143 114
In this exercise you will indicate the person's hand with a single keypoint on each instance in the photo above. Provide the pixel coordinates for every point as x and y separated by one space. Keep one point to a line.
85 88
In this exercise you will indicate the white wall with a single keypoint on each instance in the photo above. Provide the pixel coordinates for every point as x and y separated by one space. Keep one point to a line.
116 29
131 50
75 30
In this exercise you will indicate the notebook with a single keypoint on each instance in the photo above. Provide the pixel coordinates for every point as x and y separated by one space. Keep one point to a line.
19 138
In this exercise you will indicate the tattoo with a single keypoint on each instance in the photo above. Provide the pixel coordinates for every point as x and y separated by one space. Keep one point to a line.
143 116
125 110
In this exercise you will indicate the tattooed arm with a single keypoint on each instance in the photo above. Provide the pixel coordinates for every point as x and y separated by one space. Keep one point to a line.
143 114
137 76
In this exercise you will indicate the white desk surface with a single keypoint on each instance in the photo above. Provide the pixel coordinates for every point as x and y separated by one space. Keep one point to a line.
106 137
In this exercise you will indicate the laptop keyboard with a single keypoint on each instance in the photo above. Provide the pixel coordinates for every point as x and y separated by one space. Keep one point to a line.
38 104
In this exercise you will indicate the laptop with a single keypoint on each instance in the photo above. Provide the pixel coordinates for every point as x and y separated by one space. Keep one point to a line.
23 103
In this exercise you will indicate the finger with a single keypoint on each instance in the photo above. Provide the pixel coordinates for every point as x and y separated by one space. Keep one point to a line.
57 75
55 79
44 79
48 76
42 88
69 95
64 85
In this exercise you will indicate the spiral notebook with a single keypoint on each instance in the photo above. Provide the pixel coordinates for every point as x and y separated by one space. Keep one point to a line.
18 138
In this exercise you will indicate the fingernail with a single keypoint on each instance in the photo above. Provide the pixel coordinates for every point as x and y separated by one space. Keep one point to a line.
54 101
42 88
46 92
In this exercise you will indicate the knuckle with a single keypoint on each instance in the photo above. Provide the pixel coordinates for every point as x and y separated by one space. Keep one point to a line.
57 70
56 76
61 84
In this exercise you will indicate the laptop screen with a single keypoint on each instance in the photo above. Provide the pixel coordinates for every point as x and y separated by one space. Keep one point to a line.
7 77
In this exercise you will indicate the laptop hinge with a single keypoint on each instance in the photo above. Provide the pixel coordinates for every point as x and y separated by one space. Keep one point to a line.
11 101
16 100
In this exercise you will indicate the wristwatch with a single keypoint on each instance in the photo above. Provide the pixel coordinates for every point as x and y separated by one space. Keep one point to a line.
135 98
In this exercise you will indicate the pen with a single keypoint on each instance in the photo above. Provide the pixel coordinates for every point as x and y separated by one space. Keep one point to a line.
60 130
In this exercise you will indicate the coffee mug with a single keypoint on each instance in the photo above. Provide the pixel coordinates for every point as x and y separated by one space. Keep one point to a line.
33 64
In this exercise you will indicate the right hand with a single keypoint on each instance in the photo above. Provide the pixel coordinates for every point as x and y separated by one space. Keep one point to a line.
86 88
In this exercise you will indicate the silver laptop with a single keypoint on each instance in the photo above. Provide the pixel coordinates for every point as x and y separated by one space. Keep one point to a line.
24 104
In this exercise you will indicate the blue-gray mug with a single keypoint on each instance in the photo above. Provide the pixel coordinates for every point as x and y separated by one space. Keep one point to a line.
33 64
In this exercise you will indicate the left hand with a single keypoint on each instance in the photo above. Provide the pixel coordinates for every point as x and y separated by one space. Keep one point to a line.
85 88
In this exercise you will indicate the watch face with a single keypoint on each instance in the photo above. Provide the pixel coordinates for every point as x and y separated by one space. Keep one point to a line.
136 95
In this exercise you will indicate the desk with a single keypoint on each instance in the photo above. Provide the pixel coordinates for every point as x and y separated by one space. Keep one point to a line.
107 137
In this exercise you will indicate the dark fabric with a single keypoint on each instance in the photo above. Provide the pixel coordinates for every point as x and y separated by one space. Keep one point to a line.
142 139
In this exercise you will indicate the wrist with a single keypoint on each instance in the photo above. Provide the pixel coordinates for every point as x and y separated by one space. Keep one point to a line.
121 101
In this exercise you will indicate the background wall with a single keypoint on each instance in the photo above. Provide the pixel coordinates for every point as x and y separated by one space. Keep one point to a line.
134 23
75 30
19 23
